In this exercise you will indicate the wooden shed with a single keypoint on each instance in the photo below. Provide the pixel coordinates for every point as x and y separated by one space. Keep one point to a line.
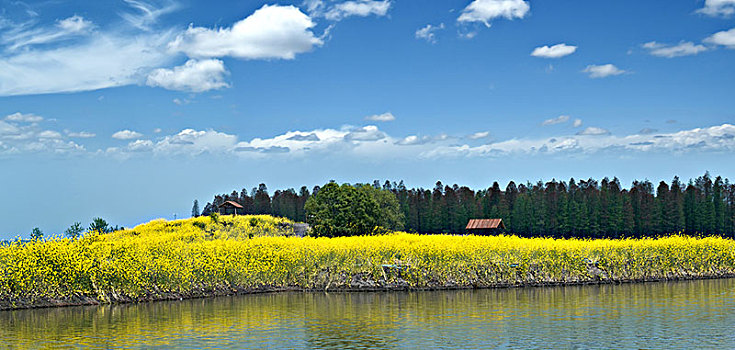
230 208
485 226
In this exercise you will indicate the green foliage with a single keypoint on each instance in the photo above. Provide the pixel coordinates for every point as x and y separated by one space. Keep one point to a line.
352 210
214 217
74 231
99 225
36 234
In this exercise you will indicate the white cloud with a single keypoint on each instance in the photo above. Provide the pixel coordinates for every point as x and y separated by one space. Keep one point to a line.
577 123
49 134
21 117
81 134
485 11
414 140
428 32
126 135
64 29
593 131
556 51
270 32
140 146
602 71
713 139
479 135
193 142
725 38
361 8
385 117
8 128
684 48
718 8
558 120
365 133
25 138
193 76
102 60
147 13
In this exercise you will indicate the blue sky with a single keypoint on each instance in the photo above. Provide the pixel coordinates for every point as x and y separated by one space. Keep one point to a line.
131 109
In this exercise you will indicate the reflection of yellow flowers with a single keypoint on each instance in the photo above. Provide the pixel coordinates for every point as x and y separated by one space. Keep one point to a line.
258 251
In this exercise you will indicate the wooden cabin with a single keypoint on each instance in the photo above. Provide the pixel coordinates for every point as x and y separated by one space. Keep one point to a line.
485 226
230 208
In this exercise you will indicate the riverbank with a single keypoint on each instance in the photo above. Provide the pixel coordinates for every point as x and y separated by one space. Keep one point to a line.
193 258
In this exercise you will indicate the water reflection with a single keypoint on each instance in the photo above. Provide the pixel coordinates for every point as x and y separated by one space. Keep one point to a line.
653 315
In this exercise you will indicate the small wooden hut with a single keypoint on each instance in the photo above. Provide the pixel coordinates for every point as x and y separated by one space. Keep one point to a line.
485 226
230 208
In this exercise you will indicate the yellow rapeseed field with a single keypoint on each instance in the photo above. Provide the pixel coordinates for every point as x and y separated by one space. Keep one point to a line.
258 252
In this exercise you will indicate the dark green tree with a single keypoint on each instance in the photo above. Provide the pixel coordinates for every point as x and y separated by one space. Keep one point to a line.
195 209
99 225
74 231
36 234
351 210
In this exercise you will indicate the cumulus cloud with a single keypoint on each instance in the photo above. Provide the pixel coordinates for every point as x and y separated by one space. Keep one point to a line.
712 139
360 8
126 135
304 137
593 131
140 146
414 140
479 135
428 32
193 76
484 11
370 142
73 54
556 51
684 48
81 134
602 71
49 134
647 131
715 8
18 136
385 117
365 133
577 123
725 38
558 120
21 117
271 32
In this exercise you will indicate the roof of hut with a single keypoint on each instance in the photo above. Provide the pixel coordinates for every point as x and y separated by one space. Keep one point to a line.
232 203
480 224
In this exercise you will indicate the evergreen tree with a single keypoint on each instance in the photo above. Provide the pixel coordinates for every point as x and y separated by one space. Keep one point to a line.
36 234
195 209
74 231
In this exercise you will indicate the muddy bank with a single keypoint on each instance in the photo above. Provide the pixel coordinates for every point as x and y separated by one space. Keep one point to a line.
357 283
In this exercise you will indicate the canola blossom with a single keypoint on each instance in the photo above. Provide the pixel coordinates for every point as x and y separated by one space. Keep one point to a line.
198 256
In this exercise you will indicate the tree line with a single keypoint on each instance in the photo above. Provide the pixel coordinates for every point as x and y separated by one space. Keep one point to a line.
574 208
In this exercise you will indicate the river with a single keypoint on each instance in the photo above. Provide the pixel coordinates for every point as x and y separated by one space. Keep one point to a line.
687 314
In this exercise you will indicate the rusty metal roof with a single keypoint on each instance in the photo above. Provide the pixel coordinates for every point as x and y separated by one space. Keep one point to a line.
234 204
479 224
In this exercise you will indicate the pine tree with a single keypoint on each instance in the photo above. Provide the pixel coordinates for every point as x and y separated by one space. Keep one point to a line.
36 234
195 209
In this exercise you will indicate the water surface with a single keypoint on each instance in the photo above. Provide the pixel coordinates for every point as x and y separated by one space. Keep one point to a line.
690 314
